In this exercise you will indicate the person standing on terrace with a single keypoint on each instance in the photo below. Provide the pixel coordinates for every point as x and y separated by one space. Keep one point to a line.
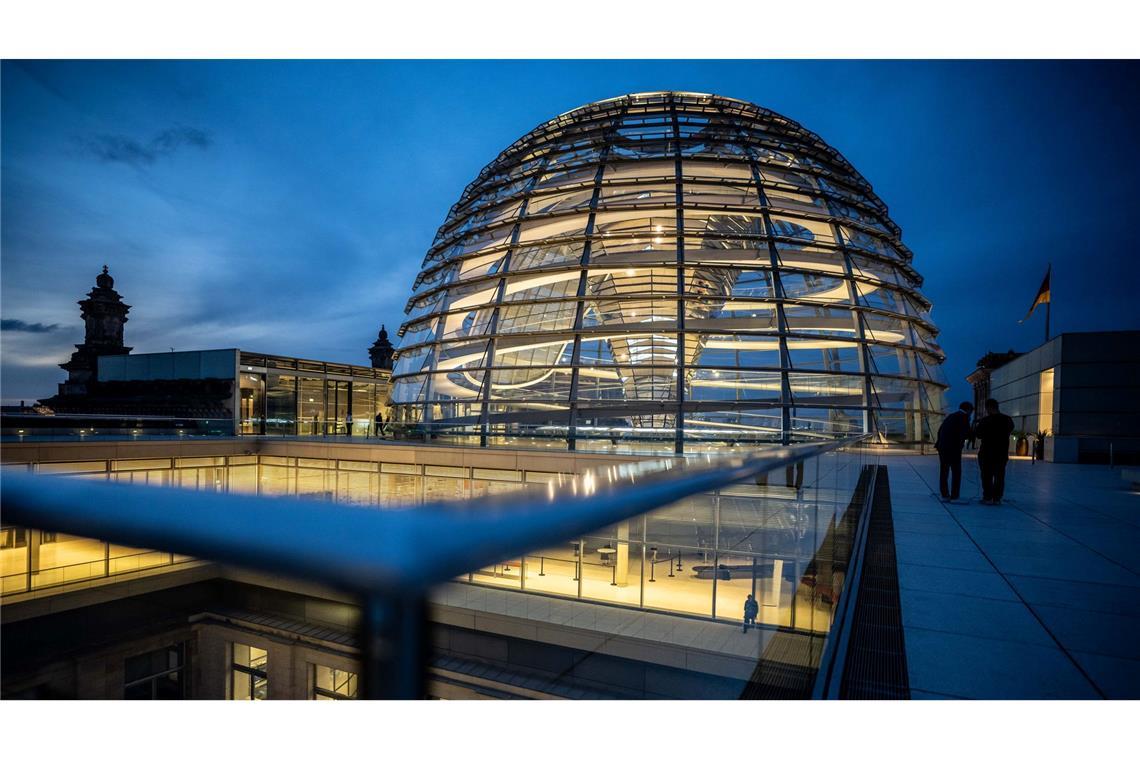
993 433
952 434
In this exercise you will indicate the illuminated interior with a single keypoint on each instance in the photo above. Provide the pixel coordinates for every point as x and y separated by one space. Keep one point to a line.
1045 403
680 269
700 556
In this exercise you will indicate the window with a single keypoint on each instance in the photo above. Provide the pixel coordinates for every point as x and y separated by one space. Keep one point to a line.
156 675
1045 402
330 683
249 679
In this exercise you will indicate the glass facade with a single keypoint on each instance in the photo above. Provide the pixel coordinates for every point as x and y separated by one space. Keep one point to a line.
784 539
283 396
677 269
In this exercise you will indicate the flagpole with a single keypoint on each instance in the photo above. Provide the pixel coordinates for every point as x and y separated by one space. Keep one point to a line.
1049 303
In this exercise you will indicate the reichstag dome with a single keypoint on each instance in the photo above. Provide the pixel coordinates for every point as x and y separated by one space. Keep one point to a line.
668 271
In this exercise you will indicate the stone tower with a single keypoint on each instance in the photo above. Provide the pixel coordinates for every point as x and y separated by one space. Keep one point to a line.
382 350
104 314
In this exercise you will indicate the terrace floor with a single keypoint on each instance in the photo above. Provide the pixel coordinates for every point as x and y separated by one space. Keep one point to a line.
1036 599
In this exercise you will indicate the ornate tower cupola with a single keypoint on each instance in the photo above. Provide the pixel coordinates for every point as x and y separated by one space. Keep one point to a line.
382 350
104 314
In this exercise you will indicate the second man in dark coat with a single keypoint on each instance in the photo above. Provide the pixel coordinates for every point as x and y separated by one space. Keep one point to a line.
952 435
993 433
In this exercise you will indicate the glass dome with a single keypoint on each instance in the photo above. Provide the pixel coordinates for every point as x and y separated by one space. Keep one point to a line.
670 270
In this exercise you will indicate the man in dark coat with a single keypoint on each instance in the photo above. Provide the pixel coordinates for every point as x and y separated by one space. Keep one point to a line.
751 610
952 434
993 433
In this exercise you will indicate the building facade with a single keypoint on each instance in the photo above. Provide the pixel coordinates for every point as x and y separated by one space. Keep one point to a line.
1080 391
260 394
979 379
679 269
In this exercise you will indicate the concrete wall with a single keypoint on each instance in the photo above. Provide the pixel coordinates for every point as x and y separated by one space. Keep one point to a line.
300 626
1096 395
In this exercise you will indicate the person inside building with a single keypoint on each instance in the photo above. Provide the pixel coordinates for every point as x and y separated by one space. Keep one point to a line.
953 433
751 610
993 433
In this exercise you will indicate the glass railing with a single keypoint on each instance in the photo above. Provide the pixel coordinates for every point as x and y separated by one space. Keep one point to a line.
684 537
774 538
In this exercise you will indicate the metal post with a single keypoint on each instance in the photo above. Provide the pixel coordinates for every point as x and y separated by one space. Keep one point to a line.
394 644
716 578
678 177
578 564
641 576
796 575
34 538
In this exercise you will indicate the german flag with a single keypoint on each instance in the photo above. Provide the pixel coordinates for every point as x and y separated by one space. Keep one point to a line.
1043 295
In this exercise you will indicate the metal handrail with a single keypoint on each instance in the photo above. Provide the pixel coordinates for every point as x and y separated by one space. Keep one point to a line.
389 557
829 676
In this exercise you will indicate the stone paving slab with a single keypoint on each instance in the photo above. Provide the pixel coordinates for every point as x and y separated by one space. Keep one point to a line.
1034 599
972 616
970 667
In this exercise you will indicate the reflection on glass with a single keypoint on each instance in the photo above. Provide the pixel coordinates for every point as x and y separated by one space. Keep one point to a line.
281 405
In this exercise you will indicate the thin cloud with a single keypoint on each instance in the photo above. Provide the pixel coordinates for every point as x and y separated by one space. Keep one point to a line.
19 325
127 150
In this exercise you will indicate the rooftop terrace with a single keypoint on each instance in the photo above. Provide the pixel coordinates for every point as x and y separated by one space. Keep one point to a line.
1037 598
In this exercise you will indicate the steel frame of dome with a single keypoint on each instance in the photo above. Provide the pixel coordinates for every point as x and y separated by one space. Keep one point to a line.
671 267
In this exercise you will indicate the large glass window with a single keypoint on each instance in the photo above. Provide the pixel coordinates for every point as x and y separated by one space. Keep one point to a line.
331 683
252 403
249 677
311 405
156 675
337 407
281 405
362 408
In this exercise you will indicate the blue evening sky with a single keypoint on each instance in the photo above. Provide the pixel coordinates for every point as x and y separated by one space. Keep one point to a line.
285 207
